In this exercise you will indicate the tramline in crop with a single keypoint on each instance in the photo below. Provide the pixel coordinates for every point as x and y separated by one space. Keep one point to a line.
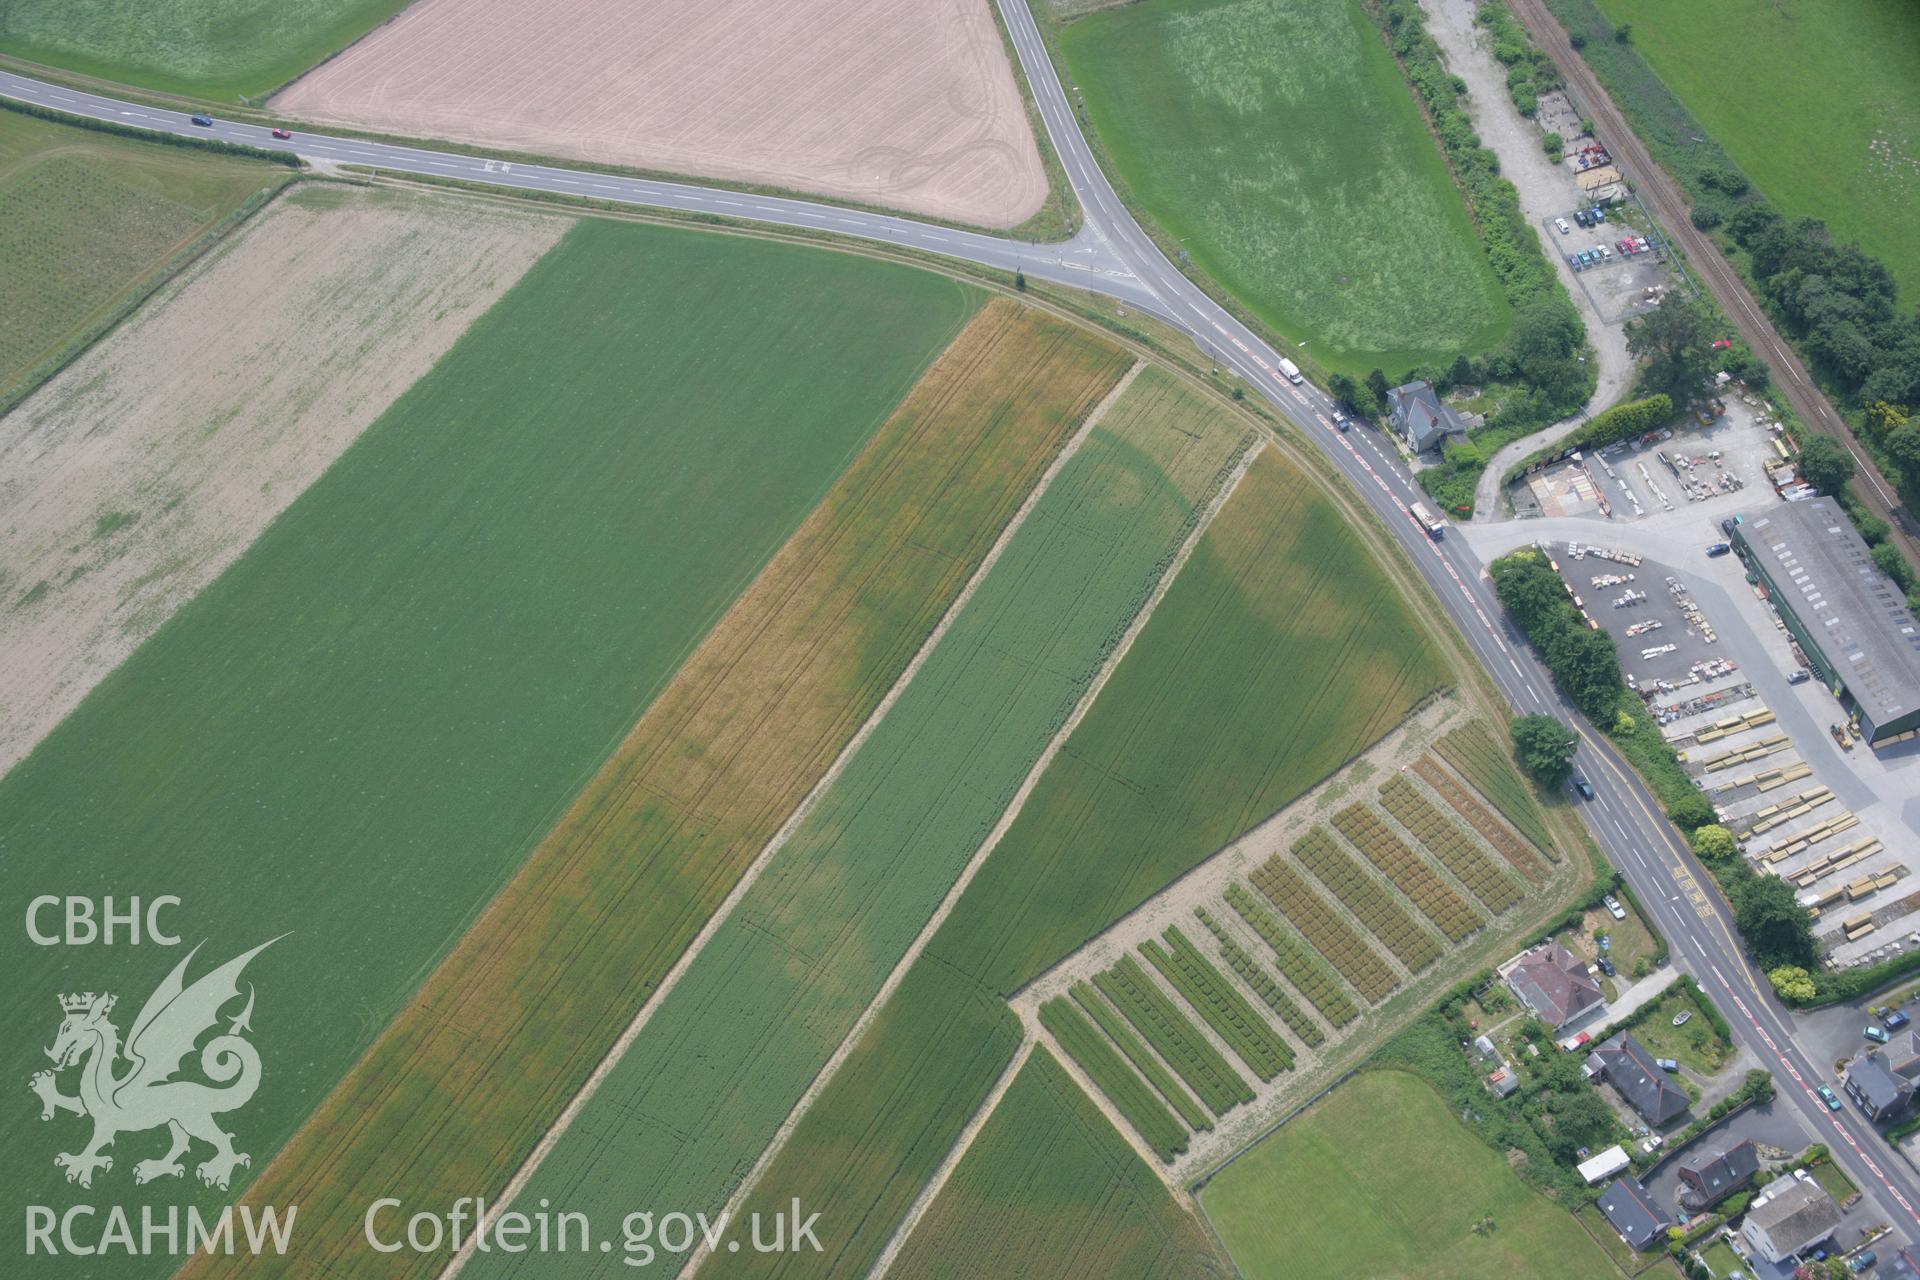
1387 919
1412 876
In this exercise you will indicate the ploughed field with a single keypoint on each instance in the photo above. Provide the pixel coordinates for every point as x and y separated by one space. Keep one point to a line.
910 104
358 731
1279 144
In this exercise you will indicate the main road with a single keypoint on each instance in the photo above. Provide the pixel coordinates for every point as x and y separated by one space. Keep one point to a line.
1112 255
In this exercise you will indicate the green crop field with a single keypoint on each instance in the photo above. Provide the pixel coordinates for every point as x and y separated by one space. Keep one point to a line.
1357 1175
1236 697
358 732
1278 142
733 1046
88 220
216 49
1818 104
1049 1189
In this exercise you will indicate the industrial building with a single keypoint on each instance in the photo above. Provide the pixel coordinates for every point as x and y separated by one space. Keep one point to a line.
1852 622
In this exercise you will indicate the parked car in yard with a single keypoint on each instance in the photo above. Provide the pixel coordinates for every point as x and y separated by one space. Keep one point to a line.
1680 1018
1896 1020
1667 1064
1617 911
1876 1035
1561 223
1605 966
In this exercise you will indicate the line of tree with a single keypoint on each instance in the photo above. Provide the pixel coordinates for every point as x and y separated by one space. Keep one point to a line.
1542 356
1583 660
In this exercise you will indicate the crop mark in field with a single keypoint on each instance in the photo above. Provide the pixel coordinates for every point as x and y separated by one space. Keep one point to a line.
730 908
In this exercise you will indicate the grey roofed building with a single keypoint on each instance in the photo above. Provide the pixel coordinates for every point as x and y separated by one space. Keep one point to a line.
1418 415
1554 983
1633 1214
1850 618
1788 1217
1707 1178
1631 1070
1879 1090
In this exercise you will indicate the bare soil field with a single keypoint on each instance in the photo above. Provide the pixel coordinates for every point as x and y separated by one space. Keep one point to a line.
911 105
143 469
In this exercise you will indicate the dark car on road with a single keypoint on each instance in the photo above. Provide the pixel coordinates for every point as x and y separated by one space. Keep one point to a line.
1581 785
205 122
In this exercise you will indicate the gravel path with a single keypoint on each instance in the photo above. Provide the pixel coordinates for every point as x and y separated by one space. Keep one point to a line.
1546 191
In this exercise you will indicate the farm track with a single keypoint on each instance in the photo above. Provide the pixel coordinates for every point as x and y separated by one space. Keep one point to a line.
527 1004
1662 195
1007 816
893 979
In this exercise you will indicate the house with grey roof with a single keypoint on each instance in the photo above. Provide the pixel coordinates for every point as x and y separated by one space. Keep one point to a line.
1788 1217
1421 419
1634 1075
1708 1177
1875 1088
1554 983
1633 1214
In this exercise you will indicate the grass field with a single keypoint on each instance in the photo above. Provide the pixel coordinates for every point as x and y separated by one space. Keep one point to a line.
771 995
87 219
1817 103
215 49
1048 1189
660 835
362 728
1277 141
1349 1189
1235 698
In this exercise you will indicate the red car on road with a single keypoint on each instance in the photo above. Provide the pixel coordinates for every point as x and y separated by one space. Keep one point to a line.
282 134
